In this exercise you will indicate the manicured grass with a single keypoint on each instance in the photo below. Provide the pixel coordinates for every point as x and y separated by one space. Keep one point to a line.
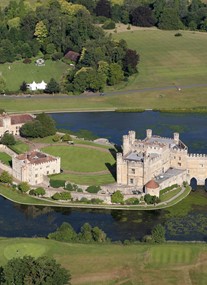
21 249
86 179
117 264
20 147
81 159
5 158
172 255
166 196
20 72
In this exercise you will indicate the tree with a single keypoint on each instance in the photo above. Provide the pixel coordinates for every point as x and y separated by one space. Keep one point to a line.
23 86
48 124
8 139
52 86
86 233
66 137
130 62
103 8
64 233
2 83
117 197
32 129
31 271
169 20
142 16
98 235
158 234
24 187
41 32
40 191
116 74
5 177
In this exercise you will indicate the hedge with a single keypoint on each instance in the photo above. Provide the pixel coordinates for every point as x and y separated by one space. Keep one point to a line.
57 183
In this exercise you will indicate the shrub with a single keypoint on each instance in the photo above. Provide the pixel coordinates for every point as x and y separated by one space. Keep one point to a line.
62 196
24 187
96 201
56 138
165 190
66 137
158 234
151 199
178 35
39 191
109 25
27 61
8 139
117 197
93 189
5 177
132 201
57 183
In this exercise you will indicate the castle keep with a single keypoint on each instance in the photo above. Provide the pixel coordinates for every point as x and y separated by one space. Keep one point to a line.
158 162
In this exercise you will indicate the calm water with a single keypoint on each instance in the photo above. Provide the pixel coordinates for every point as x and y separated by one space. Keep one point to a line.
17 220
112 125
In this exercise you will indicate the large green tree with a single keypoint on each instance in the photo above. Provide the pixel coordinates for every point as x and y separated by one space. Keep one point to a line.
31 271
8 139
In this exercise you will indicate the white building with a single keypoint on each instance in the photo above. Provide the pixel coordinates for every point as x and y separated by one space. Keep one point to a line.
34 166
37 86
12 123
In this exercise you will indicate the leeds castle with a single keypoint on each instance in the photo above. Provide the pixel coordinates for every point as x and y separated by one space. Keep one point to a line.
158 162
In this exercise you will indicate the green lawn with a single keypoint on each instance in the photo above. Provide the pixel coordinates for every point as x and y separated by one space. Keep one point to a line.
166 59
85 179
5 158
166 196
20 72
20 147
117 264
81 159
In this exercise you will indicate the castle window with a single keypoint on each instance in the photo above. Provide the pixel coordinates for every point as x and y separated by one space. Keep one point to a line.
133 171
201 165
131 181
36 175
47 172
179 158
179 164
53 170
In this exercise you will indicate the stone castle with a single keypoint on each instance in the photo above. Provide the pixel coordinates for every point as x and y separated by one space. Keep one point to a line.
158 162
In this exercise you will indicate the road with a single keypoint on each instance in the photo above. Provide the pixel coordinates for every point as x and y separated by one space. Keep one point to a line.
109 93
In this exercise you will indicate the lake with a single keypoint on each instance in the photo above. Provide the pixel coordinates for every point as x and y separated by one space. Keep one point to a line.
185 221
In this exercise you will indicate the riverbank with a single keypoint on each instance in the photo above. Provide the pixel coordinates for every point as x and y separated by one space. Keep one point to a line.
107 264
25 199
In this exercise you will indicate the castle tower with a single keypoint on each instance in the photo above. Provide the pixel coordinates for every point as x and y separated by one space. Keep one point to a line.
148 133
128 141
176 138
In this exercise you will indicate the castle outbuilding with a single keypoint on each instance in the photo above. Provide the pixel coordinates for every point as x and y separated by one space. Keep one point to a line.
34 166
158 162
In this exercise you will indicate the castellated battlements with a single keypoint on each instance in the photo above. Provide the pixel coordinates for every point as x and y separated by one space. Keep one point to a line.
142 160
197 155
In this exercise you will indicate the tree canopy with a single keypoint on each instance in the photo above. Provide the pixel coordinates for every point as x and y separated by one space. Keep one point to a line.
31 271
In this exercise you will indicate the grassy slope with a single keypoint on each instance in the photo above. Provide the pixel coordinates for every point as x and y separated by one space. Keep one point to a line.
166 59
5 158
20 72
116 264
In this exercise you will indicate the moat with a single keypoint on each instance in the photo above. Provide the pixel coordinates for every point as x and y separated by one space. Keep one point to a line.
185 221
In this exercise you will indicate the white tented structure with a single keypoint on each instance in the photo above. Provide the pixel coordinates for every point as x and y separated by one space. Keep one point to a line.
37 86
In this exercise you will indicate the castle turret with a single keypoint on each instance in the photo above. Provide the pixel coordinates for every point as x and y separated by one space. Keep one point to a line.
148 133
128 141
176 138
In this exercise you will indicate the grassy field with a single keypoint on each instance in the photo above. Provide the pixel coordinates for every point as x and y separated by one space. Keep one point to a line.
89 264
17 72
5 158
81 159
166 196
165 59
